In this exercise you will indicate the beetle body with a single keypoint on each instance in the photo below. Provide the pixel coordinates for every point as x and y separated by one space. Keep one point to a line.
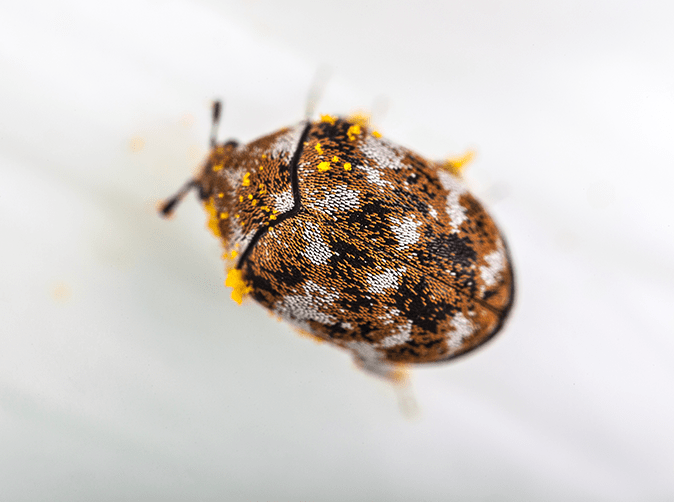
359 242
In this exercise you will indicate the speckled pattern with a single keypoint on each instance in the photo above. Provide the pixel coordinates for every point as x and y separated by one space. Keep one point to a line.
360 242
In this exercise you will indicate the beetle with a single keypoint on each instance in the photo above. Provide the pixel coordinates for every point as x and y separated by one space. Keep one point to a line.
357 241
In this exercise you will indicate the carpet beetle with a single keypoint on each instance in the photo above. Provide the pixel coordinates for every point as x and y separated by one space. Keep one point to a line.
357 241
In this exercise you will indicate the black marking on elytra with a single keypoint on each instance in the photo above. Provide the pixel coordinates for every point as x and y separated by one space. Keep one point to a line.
451 247
348 256
412 300
409 201
297 204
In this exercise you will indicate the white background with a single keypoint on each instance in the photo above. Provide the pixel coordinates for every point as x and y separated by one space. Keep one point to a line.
127 373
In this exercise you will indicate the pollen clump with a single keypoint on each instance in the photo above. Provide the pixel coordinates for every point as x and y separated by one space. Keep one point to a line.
353 131
239 287
217 167
376 134
319 149
324 166
246 180
456 165
329 119
347 166
212 222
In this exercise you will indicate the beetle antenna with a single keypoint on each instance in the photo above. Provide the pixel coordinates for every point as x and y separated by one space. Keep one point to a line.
217 108
316 90
168 206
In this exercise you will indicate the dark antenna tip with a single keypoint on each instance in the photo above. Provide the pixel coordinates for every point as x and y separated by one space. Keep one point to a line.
217 109
168 206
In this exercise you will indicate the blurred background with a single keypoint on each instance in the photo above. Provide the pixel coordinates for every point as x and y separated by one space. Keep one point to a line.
127 373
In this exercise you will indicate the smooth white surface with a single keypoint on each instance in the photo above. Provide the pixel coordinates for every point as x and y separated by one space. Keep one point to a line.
126 373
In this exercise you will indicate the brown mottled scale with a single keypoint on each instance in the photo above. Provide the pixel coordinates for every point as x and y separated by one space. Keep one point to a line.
360 242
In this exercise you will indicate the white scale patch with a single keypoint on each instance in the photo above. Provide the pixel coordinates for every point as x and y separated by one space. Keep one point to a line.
463 328
299 309
283 202
374 176
455 211
383 153
490 272
386 319
285 145
389 279
316 249
340 198
403 336
406 231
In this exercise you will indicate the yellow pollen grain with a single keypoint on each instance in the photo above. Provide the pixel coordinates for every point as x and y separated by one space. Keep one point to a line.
347 166
376 134
353 131
265 208
250 196
236 216
272 216
239 287
254 202
234 254
456 165
264 156
221 195
217 167
212 222
329 119
224 216
319 149
324 166
246 180
335 159
240 198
